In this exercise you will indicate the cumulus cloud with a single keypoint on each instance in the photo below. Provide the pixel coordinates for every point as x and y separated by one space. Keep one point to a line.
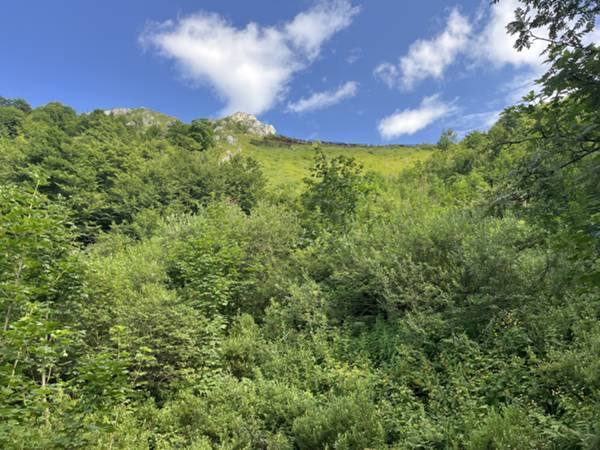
428 58
310 29
483 41
409 121
249 68
495 46
320 100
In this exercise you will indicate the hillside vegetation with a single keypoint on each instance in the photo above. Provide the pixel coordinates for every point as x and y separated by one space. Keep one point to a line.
286 164
157 292
284 161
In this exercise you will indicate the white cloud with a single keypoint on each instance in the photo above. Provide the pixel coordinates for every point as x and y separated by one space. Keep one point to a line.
428 58
409 121
249 68
310 29
484 41
495 46
320 100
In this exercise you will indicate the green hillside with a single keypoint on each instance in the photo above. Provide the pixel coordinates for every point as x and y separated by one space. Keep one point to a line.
214 285
142 117
285 161
288 164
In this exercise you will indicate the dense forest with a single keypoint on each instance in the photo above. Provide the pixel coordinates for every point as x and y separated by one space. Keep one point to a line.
154 295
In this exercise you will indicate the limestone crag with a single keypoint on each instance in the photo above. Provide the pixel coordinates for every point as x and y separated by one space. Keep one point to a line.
119 111
251 124
142 117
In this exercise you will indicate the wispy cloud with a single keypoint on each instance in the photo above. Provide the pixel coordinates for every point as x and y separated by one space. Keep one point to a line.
320 100
481 121
409 121
249 68
354 55
520 85
389 73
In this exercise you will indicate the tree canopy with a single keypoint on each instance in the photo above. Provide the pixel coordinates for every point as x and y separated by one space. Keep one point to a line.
155 294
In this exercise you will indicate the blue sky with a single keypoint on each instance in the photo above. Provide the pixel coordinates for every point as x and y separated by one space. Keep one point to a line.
344 70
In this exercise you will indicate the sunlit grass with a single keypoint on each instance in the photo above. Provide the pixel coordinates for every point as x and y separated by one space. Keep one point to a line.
289 165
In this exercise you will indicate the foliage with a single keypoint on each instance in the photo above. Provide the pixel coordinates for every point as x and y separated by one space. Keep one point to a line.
334 189
18 103
108 172
198 135
154 295
447 138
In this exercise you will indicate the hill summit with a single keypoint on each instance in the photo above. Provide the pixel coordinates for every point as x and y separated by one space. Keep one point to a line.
249 124
142 117
240 121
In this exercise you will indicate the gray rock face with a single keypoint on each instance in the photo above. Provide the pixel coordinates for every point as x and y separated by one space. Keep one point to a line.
230 154
252 124
142 117
118 111
249 123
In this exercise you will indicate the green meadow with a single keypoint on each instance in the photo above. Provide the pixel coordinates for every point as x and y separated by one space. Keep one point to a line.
288 165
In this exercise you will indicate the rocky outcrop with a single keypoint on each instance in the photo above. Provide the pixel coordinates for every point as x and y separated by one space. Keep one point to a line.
225 128
142 117
251 124
118 111
230 154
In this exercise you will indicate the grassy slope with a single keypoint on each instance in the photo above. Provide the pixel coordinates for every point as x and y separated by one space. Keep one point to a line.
145 117
288 165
